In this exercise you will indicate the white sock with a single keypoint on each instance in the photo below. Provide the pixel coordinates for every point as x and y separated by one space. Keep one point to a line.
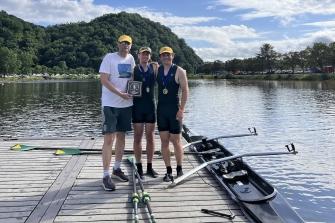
117 165
106 173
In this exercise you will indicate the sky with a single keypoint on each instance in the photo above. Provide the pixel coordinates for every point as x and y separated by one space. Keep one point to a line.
215 29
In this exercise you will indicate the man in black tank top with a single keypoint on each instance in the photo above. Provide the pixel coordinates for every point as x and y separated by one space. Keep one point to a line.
144 111
170 79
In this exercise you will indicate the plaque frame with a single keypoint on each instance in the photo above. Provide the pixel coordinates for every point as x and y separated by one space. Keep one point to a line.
134 88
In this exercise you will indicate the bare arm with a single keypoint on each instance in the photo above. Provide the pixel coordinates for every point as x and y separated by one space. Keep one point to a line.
182 79
105 82
155 65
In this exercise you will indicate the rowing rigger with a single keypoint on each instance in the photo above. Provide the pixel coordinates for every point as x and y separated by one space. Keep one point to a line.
290 151
252 132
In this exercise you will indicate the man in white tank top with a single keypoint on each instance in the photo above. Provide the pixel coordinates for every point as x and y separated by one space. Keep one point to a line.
115 71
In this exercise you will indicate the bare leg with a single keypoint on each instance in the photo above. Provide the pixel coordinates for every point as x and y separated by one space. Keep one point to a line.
107 148
165 135
149 134
178 149
137 146
119 145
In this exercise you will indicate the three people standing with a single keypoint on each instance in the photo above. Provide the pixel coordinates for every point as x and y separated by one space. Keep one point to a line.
115 71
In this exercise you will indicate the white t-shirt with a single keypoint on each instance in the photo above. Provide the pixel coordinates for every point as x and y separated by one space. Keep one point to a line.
120 70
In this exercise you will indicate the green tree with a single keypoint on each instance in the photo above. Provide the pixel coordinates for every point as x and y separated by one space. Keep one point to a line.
332 54
8 61
318 54
292 60
26 61
268 56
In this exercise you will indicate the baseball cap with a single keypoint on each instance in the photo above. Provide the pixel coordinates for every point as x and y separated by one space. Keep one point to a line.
144 49
165 49
125 38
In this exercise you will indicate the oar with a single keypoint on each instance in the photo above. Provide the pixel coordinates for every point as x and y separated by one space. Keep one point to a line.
145 196
252 131
203 165
10 138
22 147
77 151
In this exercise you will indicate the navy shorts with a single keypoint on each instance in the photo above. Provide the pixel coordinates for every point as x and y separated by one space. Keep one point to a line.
144 115
116 119
166 119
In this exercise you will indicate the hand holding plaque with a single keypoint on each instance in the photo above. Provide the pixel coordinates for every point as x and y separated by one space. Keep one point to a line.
134 88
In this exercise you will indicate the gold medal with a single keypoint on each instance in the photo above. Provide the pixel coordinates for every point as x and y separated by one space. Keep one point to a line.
147 89
165 91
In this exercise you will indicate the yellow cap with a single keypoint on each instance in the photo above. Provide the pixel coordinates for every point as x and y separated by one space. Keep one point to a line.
125 38
144 49
165 49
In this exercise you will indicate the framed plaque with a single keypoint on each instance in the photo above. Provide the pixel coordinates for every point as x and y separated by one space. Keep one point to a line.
134 88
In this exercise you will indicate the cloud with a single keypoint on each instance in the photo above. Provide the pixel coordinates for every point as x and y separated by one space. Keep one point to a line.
225 42
216 34
323 24
229 42
285 11
217 42
48 12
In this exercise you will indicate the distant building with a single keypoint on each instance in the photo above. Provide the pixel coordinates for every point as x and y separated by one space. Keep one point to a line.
328 69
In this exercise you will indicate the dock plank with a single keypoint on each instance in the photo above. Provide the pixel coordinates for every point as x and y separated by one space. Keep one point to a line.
58 189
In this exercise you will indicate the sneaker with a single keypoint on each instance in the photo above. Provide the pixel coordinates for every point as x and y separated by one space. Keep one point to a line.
180 173
152 173
118 174
108 184
168 177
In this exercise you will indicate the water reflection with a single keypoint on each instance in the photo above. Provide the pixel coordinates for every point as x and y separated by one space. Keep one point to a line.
282 111
48 108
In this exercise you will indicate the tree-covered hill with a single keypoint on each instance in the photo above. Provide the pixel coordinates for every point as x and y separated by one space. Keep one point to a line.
26 48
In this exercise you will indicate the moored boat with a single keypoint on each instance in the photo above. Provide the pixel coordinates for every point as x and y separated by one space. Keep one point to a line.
258 199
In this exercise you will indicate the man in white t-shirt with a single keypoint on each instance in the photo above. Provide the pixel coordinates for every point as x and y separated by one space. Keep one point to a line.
115 71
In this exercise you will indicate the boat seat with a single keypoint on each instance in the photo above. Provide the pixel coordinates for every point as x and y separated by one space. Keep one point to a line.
235 175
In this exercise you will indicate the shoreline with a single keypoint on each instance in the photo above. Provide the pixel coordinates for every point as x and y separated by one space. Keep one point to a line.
60 77
278 77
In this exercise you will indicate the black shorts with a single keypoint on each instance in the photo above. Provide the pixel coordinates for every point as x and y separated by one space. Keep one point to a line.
116 119
143 116
166 119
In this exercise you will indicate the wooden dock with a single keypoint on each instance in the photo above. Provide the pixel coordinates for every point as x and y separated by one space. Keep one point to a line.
37 186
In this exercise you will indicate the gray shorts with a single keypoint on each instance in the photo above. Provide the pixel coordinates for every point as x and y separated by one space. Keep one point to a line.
116 119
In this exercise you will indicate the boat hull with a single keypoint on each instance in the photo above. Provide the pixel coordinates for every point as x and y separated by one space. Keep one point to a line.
259 200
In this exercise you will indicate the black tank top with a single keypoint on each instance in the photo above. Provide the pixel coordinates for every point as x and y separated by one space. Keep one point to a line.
167 86
148 82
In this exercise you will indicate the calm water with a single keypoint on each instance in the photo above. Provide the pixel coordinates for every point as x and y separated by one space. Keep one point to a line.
282 112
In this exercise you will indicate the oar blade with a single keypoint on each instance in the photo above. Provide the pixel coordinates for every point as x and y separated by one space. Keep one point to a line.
67 151
21 147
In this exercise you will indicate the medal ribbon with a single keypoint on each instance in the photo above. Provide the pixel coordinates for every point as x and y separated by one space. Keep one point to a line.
166 79
145 75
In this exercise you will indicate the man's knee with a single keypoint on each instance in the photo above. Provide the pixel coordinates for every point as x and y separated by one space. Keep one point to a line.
109 138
